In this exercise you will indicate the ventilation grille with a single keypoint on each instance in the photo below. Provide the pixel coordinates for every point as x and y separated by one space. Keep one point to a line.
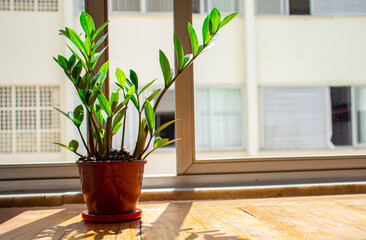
28 123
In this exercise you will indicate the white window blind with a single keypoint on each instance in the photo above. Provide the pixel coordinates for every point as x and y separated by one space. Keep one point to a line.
294 118
29 5
218 118
271 7
338 7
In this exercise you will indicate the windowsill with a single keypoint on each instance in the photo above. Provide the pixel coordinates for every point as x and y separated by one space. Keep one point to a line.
217 193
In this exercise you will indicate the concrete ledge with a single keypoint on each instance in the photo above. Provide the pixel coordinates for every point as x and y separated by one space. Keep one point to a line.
57 199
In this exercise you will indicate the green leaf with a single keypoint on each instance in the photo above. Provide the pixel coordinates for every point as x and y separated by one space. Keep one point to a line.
78 57
119 117
156 140
104 69
87 23
77 70
63 32
165 67
93 97
227 19
121 78
150 117
194 38
73 145
104 103
96 58
215 17
147 85
95 79
206 30
135 103
117 128
76 40
100 41
62 61
100 29
179 52
99 114
78 115
165 125
134 79
131 91
113 101
65 114
187 59
82 84
154 94
71 61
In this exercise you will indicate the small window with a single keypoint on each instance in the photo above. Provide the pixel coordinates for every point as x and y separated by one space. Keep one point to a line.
218 118
341 115
270 7
339 7
299 7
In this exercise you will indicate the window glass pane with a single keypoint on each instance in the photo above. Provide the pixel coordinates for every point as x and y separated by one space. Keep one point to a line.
32 83
270 7
224 5
338 8
125 5
299 7
360 99
160 6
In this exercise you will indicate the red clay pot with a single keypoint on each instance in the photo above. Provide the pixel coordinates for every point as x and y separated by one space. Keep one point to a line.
111 187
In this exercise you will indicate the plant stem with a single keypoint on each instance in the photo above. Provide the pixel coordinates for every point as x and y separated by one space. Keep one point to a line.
124 123
82 138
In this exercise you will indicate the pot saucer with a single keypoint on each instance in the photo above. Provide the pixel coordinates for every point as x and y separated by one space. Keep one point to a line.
88 217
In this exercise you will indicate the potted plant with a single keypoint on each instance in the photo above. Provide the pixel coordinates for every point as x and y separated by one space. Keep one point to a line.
111 179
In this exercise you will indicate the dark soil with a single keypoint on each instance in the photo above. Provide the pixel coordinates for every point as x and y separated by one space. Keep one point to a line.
114 155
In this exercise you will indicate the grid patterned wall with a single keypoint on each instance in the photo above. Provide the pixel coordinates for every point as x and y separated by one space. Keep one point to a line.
28 123
29 5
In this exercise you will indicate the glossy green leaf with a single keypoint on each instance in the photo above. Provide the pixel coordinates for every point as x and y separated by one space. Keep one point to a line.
156 140
78 57
153 95
71 61
73 145
131 91
93 97
113 101
160 142
99 114
215 17
95 80
78 115
187 59
100 41
165 125
76 40
82 84
135 103
150 116
119 117
65 114
134 79
117 128
63 32
194 38
96 58
121 78
147 86
206 30
62 61
87 23
104 104
227 19
179 52
100 29
77 70
165 67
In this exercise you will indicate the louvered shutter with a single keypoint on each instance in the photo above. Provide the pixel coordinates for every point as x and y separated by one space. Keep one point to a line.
294 118
338 7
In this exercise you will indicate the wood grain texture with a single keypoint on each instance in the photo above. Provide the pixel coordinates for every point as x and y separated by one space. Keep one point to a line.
326 217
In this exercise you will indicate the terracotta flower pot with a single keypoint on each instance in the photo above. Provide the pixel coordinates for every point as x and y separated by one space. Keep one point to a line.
111 187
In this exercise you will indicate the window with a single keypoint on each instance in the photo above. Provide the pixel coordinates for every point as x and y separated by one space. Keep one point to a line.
29 5
164 114
312 7
28 122
218 118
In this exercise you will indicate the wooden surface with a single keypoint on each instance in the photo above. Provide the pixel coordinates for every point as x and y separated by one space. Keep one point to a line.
331 217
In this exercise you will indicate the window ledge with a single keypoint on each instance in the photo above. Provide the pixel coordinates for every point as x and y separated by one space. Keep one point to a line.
218 193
